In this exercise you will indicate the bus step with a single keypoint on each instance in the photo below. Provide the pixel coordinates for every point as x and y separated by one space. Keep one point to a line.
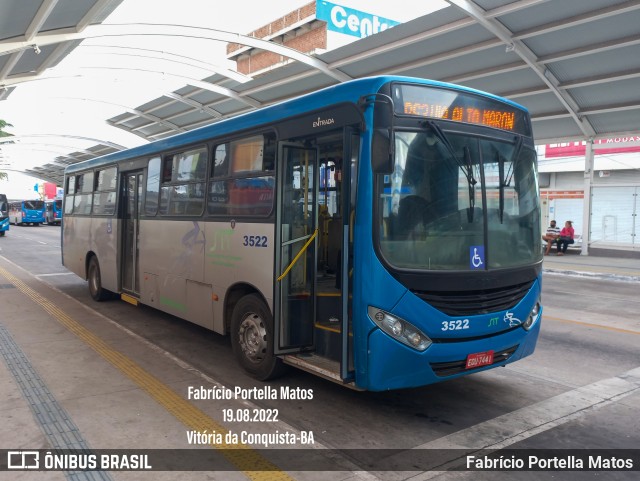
319 365
130 299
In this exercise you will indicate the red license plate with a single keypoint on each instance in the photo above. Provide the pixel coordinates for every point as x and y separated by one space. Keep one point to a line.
479 359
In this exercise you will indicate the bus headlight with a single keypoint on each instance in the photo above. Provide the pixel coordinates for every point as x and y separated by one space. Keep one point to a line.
399 329
533 316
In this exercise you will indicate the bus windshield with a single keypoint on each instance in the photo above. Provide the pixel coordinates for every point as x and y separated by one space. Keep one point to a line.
450 193
33 204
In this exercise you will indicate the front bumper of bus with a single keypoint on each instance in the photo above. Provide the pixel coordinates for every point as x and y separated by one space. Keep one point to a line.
4 225
393 365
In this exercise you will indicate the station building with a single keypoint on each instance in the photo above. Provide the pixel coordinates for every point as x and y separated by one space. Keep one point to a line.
314 28
612 200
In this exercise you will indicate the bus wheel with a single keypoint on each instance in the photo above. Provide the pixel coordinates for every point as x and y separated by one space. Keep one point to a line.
2 234
252 338
98 293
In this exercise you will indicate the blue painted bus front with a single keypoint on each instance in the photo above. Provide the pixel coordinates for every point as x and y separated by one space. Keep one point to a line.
382 362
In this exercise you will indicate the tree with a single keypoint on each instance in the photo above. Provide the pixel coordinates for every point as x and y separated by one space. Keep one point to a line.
3 125
3 133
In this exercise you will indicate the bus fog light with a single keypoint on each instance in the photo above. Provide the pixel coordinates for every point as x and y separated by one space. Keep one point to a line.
399 329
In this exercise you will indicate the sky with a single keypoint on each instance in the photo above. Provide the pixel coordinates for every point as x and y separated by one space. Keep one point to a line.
103 76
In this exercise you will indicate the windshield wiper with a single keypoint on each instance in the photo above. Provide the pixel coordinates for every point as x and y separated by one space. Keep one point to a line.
466 167
472 184
505 181
514 160
501 183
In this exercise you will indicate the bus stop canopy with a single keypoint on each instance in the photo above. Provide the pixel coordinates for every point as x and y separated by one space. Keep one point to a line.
25 55
574 64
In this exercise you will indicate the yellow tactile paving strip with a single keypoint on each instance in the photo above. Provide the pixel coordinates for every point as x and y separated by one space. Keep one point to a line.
248 461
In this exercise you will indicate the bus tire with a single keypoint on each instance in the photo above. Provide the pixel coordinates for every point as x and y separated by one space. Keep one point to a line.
2 234
97 292
252 338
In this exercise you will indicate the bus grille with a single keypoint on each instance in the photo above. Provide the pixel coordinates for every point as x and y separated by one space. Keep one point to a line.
442 369
457 303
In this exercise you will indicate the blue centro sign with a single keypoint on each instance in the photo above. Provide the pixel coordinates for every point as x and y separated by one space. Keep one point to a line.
351 22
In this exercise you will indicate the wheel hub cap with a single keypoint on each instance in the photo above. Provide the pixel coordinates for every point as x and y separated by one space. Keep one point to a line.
253 338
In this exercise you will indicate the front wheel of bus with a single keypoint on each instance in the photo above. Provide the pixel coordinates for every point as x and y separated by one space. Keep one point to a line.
252 338
98 293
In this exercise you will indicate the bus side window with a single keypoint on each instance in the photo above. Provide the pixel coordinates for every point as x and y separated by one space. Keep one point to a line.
239 186
69 194
105 192
153 187
84 194
183 183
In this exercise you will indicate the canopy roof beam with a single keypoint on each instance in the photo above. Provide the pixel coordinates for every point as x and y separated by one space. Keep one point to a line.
167 30
544 73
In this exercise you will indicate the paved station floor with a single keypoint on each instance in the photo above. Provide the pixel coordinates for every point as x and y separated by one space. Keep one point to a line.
73 379
609 267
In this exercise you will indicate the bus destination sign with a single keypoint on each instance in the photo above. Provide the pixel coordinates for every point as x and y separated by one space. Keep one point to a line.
458 107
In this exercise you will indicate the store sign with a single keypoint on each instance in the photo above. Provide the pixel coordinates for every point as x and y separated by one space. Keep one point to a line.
350 21
552 194
603 146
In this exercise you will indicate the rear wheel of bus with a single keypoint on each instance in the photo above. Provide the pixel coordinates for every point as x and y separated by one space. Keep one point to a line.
98 293
252 338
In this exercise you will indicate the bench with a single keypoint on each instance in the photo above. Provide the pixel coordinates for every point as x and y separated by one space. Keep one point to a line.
577 243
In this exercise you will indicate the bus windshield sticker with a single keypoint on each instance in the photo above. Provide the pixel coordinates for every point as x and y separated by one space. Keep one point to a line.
476 257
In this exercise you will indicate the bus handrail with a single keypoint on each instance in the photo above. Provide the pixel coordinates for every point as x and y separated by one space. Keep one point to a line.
295 259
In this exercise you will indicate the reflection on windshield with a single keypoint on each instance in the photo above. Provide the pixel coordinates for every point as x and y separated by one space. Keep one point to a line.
33 204
433 215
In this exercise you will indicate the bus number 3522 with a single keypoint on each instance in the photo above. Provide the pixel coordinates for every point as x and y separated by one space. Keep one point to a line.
456 325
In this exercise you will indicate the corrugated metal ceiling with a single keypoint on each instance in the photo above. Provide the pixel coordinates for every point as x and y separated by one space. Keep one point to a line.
571 63
575 64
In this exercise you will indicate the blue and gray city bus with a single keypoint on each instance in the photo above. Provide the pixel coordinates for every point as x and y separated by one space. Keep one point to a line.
53 212
383 233
27 212
4 215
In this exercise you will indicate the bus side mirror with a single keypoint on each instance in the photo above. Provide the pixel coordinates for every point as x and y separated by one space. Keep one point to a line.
382 151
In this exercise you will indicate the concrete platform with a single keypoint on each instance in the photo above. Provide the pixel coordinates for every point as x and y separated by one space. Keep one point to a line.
602 267
73 379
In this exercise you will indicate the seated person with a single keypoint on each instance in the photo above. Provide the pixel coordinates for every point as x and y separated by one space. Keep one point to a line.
566 238
551 236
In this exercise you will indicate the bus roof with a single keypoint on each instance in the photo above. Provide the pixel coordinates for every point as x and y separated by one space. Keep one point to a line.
349 91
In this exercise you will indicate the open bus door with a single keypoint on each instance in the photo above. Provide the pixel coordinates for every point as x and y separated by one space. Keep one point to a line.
296 235
314 255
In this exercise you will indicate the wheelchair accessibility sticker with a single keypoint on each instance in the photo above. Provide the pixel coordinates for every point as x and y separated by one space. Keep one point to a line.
476 257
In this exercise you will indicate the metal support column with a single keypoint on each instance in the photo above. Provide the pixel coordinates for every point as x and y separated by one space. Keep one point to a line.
586 207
